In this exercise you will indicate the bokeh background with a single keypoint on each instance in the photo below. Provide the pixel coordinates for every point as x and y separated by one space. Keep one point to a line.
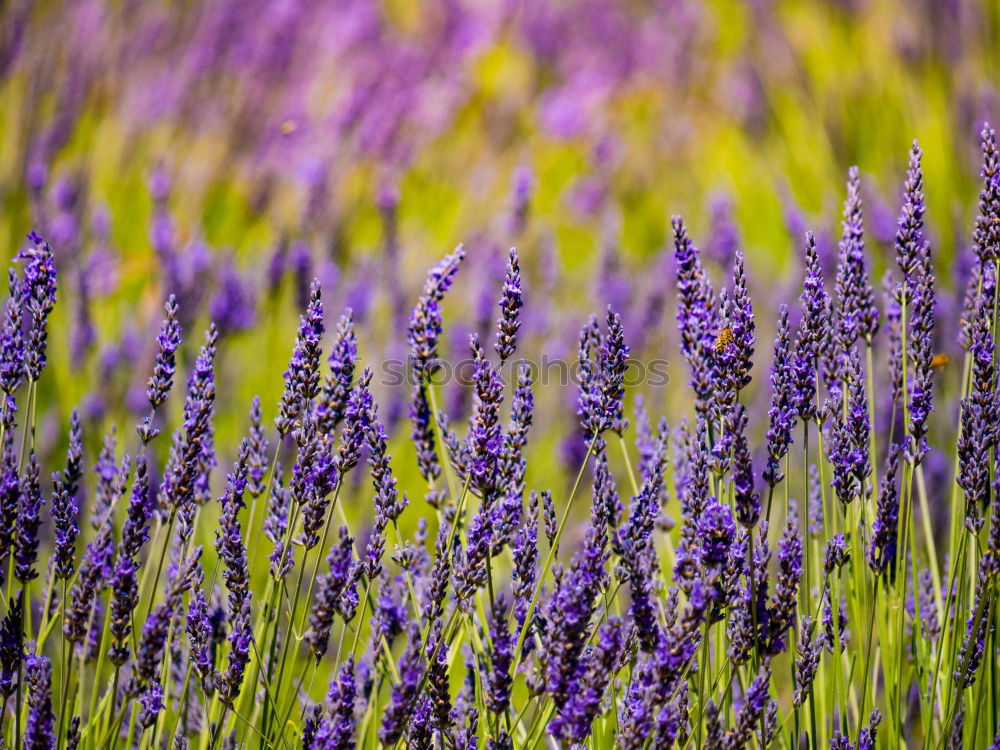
229 151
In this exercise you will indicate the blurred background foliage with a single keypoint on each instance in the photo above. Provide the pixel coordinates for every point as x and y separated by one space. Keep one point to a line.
228 151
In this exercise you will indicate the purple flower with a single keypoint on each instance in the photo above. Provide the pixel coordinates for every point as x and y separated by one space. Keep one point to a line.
914 260
635 716
613 360
815 503
337 731
336 592
724 240
276 524
809 650
734 347
745 496
191 454
426 321
697 316
525 554
979 411
498 680
152 640
199 631
168 341
38 733
313 478
569 611
987 232
782 413
882 549
510 307
358 418
388 502
12 351
11 646
781 612
606 495
848 449
909 232
28 521
977 627
81 596
10 500
524 184
229 536
574 721
233 305
602 391
124 583
856 313
302 375
258 459
332 401
485 440
423 436
836 554
840 741
150 705
396 714
755 703
811 342
437 586
867 738
230 682
39 297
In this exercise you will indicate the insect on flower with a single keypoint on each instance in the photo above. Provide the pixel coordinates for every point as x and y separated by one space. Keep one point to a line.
940 361
723 339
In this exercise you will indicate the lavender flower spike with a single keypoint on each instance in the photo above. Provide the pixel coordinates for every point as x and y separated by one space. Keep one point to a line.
28 521
12 338
613 361
39 295
135 533
697 316
978 431
987 232
856 313
914 260
199 631
39 733
258 460
302 375
404 694
388 502
510 307
332 401
232 552
782 413
882 549
169 340
426 322
485 440
11 646
813 332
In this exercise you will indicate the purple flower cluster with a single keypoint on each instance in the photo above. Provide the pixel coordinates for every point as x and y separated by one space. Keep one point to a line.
611 624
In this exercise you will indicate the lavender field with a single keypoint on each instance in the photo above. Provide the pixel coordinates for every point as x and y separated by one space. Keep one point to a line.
465 374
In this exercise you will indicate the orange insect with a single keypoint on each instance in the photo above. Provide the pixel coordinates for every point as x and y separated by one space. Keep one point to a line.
939 361
723 339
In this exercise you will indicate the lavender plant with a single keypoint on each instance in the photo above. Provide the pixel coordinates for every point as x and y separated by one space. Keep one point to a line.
657 600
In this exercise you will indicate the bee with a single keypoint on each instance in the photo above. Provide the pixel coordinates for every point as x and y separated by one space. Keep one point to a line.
723 339
940 361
